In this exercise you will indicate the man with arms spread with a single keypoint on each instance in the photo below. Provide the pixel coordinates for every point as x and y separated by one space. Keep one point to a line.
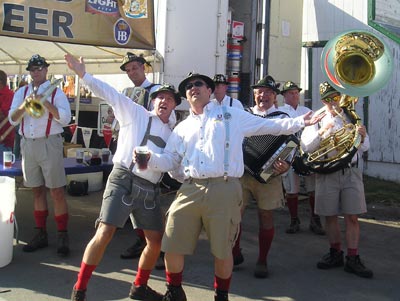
208 144
127 190
42 153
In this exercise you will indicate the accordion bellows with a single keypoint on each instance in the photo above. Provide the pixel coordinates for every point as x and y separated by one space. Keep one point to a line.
261 152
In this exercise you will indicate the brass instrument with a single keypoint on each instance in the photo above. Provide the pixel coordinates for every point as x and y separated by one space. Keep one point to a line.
33 105
356 64
342 143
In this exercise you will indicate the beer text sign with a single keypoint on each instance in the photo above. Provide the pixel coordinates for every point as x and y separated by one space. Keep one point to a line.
113 23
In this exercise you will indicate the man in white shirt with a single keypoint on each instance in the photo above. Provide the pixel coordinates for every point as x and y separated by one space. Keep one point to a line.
340 192
129 190
208 144
42 153
269 196
291 180
221 86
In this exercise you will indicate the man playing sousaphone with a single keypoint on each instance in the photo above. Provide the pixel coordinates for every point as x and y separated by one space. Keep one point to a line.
340 191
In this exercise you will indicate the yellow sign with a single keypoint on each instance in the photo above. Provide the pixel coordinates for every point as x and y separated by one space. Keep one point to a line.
113 23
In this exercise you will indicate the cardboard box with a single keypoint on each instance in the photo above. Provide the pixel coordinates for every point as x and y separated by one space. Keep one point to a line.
68 145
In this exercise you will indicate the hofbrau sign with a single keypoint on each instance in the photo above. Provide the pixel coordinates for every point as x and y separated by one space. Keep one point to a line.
113 23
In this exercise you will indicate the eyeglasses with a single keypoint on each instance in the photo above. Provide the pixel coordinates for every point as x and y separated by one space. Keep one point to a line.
33 69
332 99
197 84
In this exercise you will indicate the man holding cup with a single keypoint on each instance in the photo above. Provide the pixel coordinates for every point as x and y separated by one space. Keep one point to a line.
128 191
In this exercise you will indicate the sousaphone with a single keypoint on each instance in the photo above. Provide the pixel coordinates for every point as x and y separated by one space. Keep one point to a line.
357 64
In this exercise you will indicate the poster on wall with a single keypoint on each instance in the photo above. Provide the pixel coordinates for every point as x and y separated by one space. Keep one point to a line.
113 23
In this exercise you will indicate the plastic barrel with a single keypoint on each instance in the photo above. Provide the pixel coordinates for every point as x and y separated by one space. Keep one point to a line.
7 206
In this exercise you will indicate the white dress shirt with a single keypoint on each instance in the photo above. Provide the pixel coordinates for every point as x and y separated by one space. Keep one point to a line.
133 120
198 142
226 101
310 139
36 127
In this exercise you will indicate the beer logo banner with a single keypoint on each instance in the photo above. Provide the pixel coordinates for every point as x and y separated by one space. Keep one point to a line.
111 23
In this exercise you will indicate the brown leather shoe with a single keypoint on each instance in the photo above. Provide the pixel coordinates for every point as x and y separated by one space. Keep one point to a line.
294 226
78 295
315 226
62 243
39 241
144 293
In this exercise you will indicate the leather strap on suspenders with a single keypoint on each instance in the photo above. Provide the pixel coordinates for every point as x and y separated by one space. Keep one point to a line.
50 115
155 139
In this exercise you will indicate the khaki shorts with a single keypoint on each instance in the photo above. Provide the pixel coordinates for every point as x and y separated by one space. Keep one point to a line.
42 162
213 204
291 182
268 196
341 192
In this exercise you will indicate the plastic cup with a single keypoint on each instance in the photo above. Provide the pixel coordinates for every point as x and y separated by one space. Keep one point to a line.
142 153
105 155
8 159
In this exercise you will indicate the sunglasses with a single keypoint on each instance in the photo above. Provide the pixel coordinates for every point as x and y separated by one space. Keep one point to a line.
36 69
197 84
332 99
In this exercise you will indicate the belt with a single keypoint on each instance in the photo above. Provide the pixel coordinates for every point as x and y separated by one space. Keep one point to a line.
209 180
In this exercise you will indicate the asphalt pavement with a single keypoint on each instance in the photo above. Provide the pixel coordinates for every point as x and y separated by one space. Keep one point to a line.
293 276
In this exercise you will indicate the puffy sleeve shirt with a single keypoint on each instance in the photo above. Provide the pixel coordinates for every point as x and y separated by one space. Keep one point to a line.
310 139
133 120
36 127
198 142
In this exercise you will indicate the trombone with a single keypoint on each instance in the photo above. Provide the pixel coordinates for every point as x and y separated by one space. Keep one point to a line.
33 106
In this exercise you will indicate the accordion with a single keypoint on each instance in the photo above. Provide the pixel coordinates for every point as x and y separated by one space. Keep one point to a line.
261 152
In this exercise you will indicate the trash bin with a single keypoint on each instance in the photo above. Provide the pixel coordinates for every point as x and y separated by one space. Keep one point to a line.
7 205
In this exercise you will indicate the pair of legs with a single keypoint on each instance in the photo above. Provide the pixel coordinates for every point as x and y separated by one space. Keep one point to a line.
268 196
213 205
96 247
342 192
291 183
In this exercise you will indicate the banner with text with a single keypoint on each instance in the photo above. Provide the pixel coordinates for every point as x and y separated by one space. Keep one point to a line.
112 23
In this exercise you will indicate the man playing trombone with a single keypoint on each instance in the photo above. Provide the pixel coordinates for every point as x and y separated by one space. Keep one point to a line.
42 110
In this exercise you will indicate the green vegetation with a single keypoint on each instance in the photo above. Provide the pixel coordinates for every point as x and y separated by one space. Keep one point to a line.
385 192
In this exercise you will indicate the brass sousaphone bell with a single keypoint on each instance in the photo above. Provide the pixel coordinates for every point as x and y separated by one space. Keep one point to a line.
355 63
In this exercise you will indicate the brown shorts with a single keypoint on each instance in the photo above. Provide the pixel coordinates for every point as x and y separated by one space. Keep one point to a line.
268 196
211 204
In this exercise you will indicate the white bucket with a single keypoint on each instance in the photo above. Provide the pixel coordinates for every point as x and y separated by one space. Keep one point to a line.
7 205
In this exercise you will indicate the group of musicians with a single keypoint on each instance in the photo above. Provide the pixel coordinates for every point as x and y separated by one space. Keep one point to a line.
205 150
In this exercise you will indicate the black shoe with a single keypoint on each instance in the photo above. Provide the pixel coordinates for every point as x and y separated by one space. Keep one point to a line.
315 226
331 260
160 265
39 241
144 293
62 243
78 295
261 270
174 293
239 259
355 266
294 226
221 296
135 250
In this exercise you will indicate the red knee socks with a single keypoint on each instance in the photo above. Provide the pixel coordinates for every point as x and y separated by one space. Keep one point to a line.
174 279
62 221
265 237
84 276
292 203
142 277
40 218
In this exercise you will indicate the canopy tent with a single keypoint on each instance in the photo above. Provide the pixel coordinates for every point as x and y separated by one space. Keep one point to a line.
15 53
